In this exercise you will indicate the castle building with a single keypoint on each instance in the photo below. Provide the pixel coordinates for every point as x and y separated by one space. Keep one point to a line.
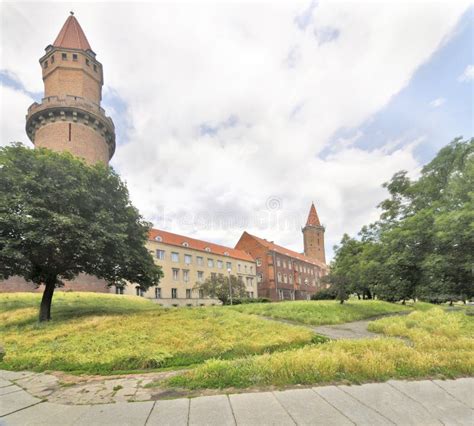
69 117
283 274
187 261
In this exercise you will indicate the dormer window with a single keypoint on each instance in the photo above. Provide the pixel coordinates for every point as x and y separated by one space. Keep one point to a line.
74 57
226 253
185 244
64 56
158 238
208 249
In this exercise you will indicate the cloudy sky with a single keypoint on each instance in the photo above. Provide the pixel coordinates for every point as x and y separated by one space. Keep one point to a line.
234 116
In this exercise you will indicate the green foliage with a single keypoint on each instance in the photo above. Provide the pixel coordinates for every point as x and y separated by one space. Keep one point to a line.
441 345
324 294
423 245
221 287
106 334
245 300
60 217
322 312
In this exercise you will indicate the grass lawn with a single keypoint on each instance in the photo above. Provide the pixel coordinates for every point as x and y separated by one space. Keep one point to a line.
441 344
322 312
103 334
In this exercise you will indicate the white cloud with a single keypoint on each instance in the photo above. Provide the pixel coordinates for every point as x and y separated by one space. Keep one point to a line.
271 91
13 106
468 74
436 103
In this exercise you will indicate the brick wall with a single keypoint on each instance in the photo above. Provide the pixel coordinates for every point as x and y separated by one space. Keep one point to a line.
85 142
81 283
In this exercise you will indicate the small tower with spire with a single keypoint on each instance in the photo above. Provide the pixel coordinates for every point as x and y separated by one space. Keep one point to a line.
313 236
70 117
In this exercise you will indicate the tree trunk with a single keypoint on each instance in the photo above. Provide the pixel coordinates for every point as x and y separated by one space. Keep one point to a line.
342 301
45 307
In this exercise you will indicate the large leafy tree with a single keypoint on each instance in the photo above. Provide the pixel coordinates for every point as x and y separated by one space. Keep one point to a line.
221 287
423 244
60 217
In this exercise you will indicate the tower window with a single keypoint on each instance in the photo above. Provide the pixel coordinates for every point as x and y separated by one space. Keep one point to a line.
95 67
87 62
70 132
64 56
74 56
45 64
52 59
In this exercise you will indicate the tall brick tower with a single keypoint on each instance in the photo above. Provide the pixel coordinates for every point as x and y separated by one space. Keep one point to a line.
313 236
69 117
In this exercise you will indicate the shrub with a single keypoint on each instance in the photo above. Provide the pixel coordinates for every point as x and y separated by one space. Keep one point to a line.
324 294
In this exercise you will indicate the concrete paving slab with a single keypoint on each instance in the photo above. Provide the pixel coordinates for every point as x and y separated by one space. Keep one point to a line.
4 383
437 401
12 402
461 389
306 407
14 375
210 411
392 404
259 409
173 412
121 413
353 409
9 389
46 414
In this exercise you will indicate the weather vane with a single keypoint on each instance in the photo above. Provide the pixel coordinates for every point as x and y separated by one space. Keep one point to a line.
72 13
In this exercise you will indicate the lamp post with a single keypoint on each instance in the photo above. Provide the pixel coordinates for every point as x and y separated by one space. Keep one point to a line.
230 284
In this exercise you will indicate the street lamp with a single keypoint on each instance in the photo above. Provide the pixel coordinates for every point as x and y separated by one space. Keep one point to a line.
230 284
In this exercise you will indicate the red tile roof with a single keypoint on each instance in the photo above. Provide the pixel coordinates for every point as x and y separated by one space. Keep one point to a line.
313 219
282 250
178 240
71 36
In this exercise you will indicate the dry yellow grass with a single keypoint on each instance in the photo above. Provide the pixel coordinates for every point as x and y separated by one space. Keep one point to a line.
440 344
105 333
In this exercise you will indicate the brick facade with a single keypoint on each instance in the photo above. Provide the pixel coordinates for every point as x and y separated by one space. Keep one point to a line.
81 283
69 117
283 274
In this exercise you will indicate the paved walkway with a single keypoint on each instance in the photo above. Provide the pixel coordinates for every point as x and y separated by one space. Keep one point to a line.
348 330
427 402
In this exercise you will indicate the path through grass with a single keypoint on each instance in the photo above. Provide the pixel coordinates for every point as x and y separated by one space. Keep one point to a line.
442 345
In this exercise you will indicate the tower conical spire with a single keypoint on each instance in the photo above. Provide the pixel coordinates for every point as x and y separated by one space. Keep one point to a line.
313 219
71 35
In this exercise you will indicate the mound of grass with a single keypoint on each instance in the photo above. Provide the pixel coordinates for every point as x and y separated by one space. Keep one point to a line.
441 344
322 312
104 334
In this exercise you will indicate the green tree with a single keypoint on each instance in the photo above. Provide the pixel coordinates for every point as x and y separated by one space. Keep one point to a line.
423 244
60 217
219 287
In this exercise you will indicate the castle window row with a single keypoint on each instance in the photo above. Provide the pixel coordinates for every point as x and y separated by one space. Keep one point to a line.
64 57
185 276
174 293
297 267
211 263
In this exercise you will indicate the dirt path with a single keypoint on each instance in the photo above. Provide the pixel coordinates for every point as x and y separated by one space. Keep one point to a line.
347 330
